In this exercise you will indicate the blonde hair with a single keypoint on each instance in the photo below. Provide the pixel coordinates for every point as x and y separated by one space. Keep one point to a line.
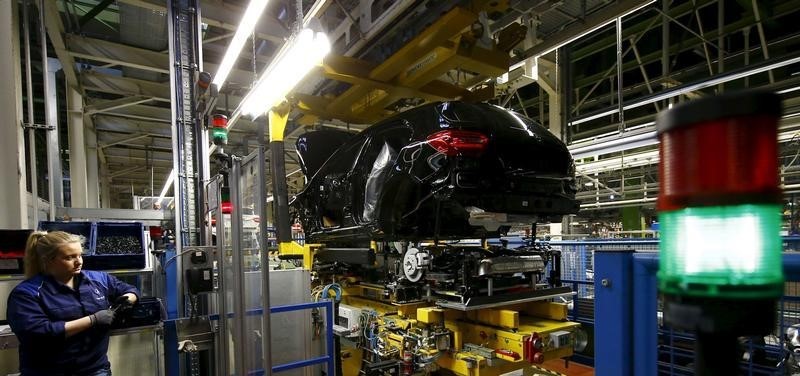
42 246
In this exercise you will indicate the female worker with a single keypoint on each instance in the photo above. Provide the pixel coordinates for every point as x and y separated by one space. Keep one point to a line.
61 314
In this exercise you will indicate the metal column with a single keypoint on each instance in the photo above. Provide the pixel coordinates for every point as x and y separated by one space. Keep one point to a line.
665 61
239 308
12 150
721 41
105 187
261 206
277 127
223 363
620 86
183 58
565 88
613 283
31 124
92 166
645 320
55 173
77 150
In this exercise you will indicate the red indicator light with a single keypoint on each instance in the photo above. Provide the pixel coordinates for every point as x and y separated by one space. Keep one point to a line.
227 207
715 155
219 121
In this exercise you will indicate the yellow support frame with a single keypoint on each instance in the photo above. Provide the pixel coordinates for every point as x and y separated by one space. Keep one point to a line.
411 72
505 329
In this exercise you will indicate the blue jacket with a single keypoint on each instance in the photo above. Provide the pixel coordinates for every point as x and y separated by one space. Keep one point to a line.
38 309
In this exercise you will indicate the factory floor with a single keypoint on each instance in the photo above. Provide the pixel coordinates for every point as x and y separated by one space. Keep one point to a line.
574 369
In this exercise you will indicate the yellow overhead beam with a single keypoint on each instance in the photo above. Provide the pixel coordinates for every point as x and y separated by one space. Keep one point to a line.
447 27
416 70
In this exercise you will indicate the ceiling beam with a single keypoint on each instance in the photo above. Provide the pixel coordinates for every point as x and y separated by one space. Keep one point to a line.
139 158
592 21
139 117
123 140
116 53
125 171
105 83
225 16
55 30
139 58
104 106
94 11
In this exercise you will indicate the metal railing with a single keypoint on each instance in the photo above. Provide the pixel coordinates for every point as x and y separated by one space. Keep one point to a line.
634 310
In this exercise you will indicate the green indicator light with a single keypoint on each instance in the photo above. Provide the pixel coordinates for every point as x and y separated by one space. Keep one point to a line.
722 252
219 136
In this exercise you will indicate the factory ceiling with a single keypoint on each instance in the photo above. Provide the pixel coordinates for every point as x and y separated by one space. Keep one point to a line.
390 55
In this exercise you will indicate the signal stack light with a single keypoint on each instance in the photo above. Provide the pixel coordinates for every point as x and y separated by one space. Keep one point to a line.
219 129
720 269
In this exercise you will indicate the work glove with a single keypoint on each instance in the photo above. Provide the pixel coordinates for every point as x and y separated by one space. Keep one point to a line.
121 303
102 318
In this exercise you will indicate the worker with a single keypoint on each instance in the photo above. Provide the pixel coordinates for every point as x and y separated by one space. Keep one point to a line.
62 314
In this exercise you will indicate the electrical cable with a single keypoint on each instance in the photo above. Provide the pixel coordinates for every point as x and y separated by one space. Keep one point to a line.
337 289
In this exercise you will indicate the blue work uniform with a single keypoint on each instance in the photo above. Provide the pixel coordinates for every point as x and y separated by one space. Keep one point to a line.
38 309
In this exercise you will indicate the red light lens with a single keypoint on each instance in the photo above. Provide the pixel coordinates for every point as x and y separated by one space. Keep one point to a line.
219 121
717 161
227 207
457 142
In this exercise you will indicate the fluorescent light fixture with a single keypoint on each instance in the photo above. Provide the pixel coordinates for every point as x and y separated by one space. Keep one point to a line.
167 185
617 203
304 51
617 163
592 117
246 27
631 160
313 11
614 145
671 93
789 90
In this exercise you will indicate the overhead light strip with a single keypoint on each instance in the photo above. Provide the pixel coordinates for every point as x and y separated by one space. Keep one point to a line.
725 77
243 32
303 52
167 186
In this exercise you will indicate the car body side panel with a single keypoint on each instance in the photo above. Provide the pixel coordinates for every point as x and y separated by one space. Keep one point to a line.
314 148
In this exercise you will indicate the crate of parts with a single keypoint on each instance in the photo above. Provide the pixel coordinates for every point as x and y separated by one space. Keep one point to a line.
118 245
86 230
12 250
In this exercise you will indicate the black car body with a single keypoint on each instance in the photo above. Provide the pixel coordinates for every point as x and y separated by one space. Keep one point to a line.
443 170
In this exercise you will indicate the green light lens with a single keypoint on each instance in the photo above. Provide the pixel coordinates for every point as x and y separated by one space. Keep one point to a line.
722 252
219 136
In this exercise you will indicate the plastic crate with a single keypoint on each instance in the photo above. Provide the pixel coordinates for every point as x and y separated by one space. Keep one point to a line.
84 229
104 255
12 250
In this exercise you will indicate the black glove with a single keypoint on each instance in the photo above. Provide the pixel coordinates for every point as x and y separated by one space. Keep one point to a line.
121 303
104 317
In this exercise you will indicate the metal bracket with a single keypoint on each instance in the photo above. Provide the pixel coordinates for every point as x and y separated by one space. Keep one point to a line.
37 126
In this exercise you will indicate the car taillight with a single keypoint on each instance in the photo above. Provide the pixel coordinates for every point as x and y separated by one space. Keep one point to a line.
457 142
